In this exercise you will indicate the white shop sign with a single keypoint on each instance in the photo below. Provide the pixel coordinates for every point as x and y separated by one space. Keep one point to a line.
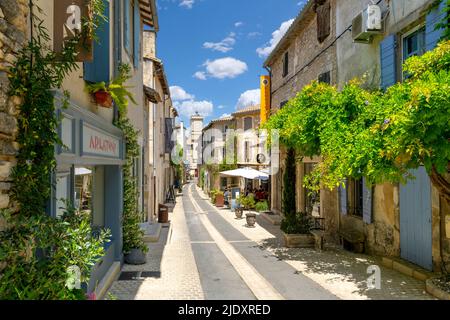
98 143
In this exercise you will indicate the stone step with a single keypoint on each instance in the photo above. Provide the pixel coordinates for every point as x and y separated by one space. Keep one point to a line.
274 219
407 268
152 231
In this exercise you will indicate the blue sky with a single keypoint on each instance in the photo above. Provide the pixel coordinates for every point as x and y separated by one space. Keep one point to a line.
213 50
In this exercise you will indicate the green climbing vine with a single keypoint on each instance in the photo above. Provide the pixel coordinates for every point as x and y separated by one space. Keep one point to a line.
36 251
133 235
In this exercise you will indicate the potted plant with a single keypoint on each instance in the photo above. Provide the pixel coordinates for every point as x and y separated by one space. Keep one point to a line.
251 219
296 230
220 200
248 204
262 206
100 93
239 210
105 94
134 247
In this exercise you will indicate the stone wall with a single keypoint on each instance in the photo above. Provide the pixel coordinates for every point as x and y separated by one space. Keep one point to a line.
308 58
13 35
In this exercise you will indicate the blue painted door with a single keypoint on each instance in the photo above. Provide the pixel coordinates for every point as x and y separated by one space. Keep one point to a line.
415 220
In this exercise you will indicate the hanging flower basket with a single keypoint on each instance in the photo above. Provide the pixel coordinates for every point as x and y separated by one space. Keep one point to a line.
103 98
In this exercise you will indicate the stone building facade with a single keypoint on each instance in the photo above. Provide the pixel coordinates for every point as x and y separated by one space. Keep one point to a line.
379 64
13 36
214 152
305 53
386 223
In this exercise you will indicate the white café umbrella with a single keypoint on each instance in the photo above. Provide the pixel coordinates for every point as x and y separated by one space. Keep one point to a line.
247 173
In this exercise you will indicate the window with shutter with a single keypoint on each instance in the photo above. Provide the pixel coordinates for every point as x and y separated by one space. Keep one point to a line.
248 123
98 69
388 61
136 33
367 202
126 25
323 11
432 33
343 199
286 64
325 77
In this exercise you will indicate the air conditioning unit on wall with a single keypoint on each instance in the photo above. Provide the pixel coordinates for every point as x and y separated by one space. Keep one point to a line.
366 24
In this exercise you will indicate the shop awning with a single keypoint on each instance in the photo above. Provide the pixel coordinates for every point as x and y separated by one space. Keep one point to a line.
247 173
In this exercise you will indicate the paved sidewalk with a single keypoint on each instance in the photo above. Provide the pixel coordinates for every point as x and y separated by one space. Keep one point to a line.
171 256
341 272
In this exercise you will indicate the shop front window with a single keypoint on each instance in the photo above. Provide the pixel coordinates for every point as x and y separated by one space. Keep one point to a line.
62 192
84 180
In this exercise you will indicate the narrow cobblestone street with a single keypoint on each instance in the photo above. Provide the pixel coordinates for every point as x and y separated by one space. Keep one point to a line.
208 254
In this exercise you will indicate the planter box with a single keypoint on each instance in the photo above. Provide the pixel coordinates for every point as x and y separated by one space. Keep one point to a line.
298 240
220 200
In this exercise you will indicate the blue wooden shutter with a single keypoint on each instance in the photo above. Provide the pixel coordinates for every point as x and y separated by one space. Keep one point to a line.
388 62
367 202
343 198
98 69
432 36
126 25
137 33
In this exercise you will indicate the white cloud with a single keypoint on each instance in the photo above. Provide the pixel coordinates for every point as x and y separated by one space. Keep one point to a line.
301 2
222 68
223 46
238 24
254 34
187 3
225 115
277 35
190 107
200 75
249 98
179 94
221 107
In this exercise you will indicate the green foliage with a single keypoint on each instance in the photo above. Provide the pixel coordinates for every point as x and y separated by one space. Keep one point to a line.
38 250
262 206
444 23
379 135
201 180
35 249
36 72
247 202
297 223
133 235
289 184
214 194
118 91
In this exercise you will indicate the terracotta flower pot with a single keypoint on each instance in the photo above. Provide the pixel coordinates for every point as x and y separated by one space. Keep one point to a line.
220 200
103 98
